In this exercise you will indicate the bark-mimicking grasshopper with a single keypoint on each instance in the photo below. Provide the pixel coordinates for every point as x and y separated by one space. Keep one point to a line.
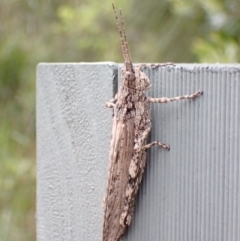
128 153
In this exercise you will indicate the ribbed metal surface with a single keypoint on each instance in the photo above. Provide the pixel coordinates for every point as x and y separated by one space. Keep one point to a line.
192 191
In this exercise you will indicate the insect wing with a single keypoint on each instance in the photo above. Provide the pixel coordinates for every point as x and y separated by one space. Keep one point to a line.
118 175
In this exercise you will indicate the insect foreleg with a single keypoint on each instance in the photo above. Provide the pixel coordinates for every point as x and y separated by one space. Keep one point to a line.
166 99
111 103
157 65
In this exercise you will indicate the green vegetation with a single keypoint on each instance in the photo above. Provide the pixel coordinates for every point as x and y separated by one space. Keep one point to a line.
74 31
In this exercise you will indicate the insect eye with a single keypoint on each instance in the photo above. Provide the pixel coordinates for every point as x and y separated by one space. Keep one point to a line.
129 75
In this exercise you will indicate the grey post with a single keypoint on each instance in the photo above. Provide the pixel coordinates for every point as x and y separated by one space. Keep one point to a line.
190 193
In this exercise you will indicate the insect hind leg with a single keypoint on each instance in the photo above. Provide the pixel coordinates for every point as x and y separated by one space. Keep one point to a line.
160 144
140 144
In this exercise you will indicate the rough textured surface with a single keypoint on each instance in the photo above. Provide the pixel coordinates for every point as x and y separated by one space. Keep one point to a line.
73 137
188 193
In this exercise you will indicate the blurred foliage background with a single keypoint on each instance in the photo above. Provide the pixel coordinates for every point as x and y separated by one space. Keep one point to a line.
33 31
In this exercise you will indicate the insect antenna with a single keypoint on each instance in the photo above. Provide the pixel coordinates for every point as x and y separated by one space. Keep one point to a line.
123 38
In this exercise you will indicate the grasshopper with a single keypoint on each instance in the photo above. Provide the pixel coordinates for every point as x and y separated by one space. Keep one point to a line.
131 125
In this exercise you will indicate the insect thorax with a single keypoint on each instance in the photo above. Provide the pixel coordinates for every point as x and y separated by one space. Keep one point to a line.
134 79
